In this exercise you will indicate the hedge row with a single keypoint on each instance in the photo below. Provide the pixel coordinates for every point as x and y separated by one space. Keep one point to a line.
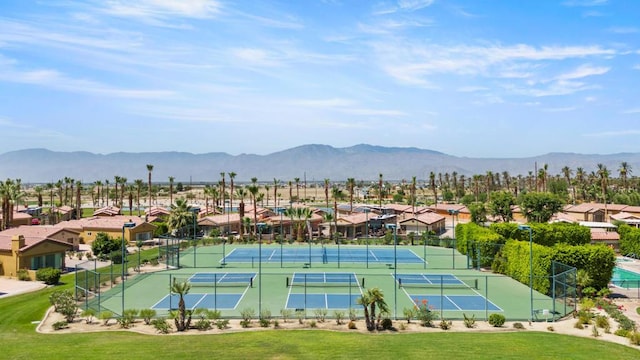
514 261
546 234
629 239
480 243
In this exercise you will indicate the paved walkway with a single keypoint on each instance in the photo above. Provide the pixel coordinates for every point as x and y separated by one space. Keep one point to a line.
9 287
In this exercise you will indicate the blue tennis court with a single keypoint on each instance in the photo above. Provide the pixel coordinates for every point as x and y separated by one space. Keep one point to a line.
323 255
344 279
456 302
222 279
322 301
429 279
204 301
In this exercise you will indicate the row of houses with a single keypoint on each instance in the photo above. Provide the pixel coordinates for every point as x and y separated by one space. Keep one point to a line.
27 246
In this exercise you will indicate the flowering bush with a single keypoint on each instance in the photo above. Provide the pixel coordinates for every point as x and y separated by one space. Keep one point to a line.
424 313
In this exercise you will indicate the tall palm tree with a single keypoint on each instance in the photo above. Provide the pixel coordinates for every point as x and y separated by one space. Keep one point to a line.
603 175
138 183
171 178
580 181
116 182
254 189
50 187
624 171
380 189
123 184
59 188
180 217
432 185
149 170
266 191
232 176
567 172
276 182
337 194
413 194
351 184
38 190
242 193
326 192
297 181
223 192
106 181
370 300
182 318
78 199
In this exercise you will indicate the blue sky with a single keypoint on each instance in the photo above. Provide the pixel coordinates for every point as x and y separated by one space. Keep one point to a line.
465 77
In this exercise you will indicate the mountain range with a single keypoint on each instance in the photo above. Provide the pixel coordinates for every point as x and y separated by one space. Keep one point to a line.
311 163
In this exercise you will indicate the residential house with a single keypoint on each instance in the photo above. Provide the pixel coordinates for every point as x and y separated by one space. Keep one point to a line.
31 251
114 226
424 222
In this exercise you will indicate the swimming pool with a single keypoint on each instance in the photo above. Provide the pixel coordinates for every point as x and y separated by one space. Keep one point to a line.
625 278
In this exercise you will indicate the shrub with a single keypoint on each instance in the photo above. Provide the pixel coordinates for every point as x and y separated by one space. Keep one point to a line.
286 314
203 324
595 332
353 315
585 317
551 328
469 322
622 333
23 275
634 338
105 316
386 324
339 316
424 314
313 324
579 325
127 319
49 276
320 314
409 314
445 325
147 315
352 325
222 324
602 322
518 326
496 320
64 303
88 315
59 325
161 325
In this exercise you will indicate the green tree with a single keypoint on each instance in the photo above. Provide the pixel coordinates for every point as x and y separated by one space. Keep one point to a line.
478 212
182 318
104 245
501 205
540 207
371 300
180 217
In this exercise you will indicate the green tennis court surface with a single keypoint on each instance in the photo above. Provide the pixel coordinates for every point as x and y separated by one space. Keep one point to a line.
441 278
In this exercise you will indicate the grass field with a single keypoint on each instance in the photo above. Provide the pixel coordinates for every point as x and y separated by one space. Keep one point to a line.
20 341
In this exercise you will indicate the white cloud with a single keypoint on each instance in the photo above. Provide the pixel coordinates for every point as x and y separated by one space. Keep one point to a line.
623 30
413 5
632 111
560 109
162 8
587 3
473 88
584 71
613 133
56 80
346 106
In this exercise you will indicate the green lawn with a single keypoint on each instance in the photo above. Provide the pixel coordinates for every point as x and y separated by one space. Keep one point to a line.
20 341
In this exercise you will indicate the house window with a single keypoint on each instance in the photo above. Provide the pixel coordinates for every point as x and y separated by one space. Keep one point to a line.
44 261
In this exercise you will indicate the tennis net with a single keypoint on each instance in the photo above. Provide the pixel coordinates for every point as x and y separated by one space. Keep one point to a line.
325 280
220 280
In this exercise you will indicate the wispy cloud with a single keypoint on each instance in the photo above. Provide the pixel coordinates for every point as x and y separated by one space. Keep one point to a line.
623 30
632 111
613 133
587 3
346 106
584 71
162 9
56 80
560 109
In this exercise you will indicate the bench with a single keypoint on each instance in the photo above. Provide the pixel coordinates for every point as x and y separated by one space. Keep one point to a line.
390 266
222 265
306 265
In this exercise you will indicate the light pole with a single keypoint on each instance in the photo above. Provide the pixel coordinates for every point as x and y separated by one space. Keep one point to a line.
454 214
528 228
281 211
194 211
260 226
366 232
128 224
395 268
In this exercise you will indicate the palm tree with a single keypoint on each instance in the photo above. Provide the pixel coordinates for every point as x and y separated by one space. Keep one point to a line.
171 178
329 218
380 189
624 171
337 194
241 193
232 176
580 181
567 172
138 183
123 184
276 182
299 215
266 191
326 192
254 189
149 170
38 190
78 199
180 217
351 184
370 300
432 184
116 182
603 175
582 280
297 180
183 317
222 191
49 186
413 194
